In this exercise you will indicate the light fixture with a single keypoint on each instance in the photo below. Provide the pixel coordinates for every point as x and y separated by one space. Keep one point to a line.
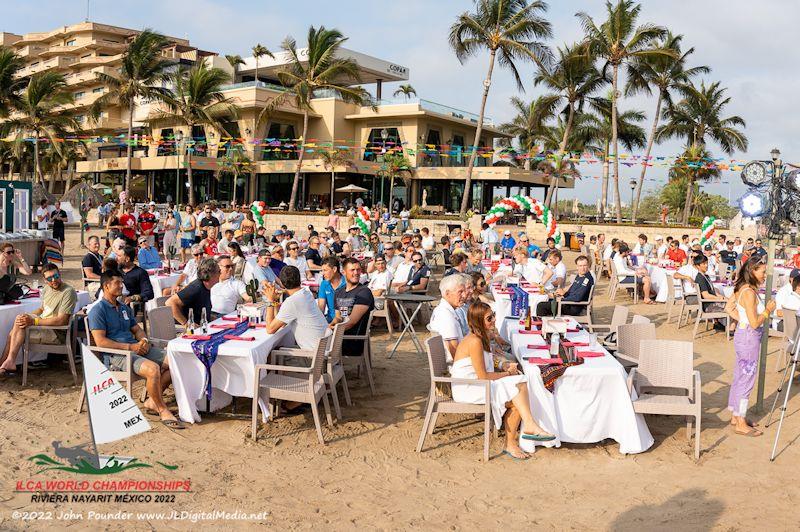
753 204
775 153
755 174
179 136
792 180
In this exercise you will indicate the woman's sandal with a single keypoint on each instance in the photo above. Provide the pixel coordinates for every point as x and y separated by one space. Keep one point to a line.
752 433
538 437
516 458
7 373
173 424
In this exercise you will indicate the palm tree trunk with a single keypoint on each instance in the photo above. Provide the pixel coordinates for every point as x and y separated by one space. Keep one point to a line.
614 142
70 176
189 176
333 181
604 194
561 149
51 185
130 149
640 185
10 170
296 184
37 165
687 208
471 164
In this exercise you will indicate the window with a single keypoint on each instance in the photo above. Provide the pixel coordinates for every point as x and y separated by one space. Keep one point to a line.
78 95
87 56
98 90
80 118
71 42
34 65
430 151
280 143
167 144
377 144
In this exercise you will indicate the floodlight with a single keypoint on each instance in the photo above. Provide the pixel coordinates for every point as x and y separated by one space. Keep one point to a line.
754 204
755 174
792 180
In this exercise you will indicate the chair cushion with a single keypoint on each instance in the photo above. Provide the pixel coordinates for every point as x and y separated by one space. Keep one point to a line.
664 404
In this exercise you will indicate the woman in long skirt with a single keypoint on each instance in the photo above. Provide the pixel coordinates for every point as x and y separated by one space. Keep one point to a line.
746 307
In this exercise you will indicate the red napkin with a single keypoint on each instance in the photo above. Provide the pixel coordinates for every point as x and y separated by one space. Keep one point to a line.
225 326
505 291
573 330
197 336
533 322
590 354
575 344
242 338
230 318
13 302
543 361
524 331
538 346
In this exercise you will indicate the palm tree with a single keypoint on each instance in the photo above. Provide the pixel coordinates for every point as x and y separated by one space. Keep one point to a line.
331 159
10 85
618 41
686 172
597 131
320 70
573 78
235 163
507 29
697 117
406 90
142 70
195 100
260 51
234 60
529 124
666 74
397 164
38 113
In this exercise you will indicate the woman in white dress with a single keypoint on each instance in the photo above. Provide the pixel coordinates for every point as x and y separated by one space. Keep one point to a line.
509 388
170 232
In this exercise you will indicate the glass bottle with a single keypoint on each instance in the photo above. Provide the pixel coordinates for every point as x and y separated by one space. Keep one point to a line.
190 322
203 320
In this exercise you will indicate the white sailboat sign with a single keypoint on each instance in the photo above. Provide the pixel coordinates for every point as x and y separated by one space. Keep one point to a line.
113 415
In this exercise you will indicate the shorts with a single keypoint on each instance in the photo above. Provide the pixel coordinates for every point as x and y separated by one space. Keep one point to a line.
47 336
187 243
628 279
117 362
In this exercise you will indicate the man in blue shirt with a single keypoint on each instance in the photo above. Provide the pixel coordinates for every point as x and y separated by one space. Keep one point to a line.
533 249
149 259
113 325
508 243
331 281
263 271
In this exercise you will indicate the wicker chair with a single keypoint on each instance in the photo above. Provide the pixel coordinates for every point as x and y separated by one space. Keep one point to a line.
439 403
629 338
672 299
364 358
162 326
278 385
639 319
668 364
620 317
65 349
585 318
621 284
702 315
689 303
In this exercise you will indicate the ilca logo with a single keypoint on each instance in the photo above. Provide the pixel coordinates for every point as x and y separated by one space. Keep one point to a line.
79 460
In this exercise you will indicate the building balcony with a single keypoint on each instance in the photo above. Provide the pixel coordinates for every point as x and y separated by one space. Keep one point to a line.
55 63
419 106
490 173
88 77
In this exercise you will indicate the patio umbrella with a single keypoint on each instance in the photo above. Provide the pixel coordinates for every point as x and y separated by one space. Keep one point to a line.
40 192
83 192
351 189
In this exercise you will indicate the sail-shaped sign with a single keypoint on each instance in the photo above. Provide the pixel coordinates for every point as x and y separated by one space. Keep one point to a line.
113 415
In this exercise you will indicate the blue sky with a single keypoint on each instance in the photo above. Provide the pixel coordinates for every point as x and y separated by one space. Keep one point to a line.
750 46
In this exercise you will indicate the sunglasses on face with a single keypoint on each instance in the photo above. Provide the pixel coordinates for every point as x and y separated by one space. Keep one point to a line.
198 254
226 266
417 260
293 249
9 252
54 277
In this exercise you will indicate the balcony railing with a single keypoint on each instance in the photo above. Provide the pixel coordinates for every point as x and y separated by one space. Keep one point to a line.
259 84
438 108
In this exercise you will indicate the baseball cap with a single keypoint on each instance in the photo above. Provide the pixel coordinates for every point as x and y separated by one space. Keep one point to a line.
659 237
153 203
264 252
142 239
580 235
507 232
277 232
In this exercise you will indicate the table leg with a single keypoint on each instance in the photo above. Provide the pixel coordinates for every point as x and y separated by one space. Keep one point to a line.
413 332
407 321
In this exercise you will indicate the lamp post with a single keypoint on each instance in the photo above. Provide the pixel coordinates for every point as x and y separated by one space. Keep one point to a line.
178 143
384 136
633 188
777 174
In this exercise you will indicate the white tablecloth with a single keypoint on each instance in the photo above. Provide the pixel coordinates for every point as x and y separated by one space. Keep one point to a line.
502 308
659 277
231 374
160 282
8 314
590 402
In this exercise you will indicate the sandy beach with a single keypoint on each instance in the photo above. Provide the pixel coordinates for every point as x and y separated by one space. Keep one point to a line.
369 477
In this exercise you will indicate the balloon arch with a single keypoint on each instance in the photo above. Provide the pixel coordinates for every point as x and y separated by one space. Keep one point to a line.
524 203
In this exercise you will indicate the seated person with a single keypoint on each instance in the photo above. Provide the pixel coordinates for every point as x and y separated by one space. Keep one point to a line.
313 256
116 248
687 274
148 256
627 275
92 264
112 325
707 290
227 238
459 263
676 254
189 272
728 255
353 302
475 263
299 311
197 294
507 243
509 387
262 271
524 266
294 259
58 305
643 247
551 246
209 243
578 291
480 289
788 297
418 276
555 274
380 280
229 291
445 320
331 281
12 262
136 280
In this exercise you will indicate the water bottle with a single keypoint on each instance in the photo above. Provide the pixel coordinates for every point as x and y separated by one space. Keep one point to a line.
203 320
554 345
190 322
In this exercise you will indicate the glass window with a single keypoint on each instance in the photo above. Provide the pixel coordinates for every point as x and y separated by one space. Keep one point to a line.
381 139
167 144
430 151
70 42
98 89
280 143
199 147
78 95
275 188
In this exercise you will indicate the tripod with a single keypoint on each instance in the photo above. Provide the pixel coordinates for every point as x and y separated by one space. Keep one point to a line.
791 369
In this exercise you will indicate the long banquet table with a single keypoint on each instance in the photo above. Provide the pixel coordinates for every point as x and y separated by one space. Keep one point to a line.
502 304
590 402
231 374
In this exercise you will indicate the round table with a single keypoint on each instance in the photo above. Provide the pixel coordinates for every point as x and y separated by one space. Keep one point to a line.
408 298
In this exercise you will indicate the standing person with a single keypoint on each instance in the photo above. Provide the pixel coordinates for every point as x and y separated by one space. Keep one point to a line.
128 223
333 220
59 218
509 389
248 228
235 218
746 307
170 231
42 216
488 236
404 217
113 225
208 220
188 227
147 223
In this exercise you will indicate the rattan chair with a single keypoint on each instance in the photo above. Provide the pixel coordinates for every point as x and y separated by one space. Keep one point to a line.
280 385
65 349
620 317
585 318
629 338
707 317
639 319
384 313
364 358
668 364
439 403
162 326
672 298
634 285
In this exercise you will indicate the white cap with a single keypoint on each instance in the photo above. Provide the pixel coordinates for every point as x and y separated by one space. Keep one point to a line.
507 233
153 203
659 237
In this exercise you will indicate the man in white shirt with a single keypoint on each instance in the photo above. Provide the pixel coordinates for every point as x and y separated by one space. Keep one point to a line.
299 311
393 259
531 269
489 236
555 274
42 215
294 259
219 214
228 292
684 245
445 320
400 277
626 274
222 245
687 275
738 247
721 243
428 243
379 281
661 247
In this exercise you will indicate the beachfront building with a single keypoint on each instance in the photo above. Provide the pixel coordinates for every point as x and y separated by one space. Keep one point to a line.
434 137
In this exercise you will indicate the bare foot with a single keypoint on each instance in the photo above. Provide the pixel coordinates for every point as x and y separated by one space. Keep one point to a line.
514 450
149 404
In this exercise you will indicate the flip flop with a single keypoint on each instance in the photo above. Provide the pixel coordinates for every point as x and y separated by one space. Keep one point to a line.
752 433
173 424
538 437
6 373
515 458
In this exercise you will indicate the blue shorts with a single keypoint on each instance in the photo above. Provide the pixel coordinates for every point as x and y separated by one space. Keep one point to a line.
186 243
628 279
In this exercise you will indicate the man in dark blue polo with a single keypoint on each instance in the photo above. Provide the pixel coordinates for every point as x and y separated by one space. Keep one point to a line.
578 292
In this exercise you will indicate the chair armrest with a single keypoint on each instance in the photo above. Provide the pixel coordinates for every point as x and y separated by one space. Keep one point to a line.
288 369
158 342
601 326
631 380
110 350
456 380
50 327
697 385
354 337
